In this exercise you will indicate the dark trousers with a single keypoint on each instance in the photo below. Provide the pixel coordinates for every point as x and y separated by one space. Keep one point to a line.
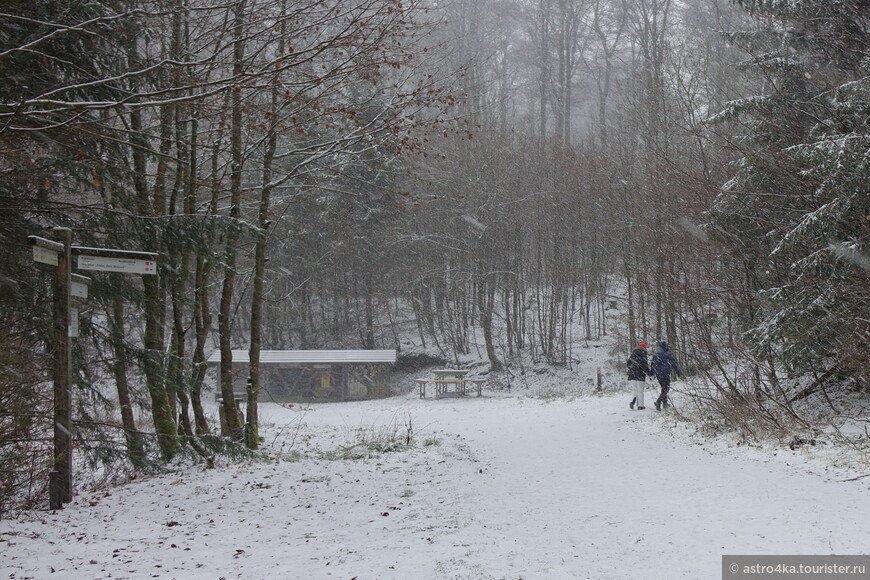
665 383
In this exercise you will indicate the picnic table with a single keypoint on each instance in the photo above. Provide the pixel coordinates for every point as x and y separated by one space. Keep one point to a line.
450 373
444 379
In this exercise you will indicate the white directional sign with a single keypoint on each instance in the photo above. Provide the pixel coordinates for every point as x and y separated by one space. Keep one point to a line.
123 265
78 290
73 328
44 256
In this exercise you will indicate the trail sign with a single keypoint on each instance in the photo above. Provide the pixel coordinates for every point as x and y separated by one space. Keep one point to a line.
44 256
73 328
66 326
78 290
123 265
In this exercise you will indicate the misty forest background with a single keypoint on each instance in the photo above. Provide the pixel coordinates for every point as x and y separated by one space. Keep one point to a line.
346 173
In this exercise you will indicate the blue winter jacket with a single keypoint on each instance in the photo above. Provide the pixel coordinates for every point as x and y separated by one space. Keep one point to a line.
663 362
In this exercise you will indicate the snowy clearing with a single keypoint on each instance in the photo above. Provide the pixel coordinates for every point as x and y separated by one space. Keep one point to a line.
503 486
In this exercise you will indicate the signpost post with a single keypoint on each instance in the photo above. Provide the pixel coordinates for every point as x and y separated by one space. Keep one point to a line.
66 287
60 478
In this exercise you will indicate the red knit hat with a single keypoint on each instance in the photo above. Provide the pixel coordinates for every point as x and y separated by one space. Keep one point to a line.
641 345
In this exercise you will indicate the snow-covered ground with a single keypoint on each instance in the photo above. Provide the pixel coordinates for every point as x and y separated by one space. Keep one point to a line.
504 486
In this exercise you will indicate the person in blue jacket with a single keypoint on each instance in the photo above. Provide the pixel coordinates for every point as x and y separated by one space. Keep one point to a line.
662 365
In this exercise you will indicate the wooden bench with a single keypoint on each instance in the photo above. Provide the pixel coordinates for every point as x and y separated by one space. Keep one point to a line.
442 386
238 397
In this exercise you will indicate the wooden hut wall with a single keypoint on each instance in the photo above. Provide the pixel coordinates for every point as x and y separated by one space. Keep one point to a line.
322 382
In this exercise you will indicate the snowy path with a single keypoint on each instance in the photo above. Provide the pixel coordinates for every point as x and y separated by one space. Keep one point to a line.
583 491
514 488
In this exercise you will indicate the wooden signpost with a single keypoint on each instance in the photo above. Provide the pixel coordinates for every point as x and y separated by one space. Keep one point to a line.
69 287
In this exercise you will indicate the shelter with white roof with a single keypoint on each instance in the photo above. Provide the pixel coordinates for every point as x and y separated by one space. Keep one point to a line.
314 375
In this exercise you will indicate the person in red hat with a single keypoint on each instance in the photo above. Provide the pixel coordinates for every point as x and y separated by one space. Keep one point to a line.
638 371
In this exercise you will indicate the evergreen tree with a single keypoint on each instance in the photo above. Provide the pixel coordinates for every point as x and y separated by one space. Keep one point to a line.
795 213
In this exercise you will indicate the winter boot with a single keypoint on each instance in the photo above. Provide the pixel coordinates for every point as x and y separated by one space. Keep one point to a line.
631 404
658 405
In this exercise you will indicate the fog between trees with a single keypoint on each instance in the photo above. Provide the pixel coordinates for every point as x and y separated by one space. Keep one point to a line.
345 174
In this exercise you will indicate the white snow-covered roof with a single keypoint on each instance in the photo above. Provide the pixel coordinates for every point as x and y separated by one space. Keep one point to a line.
312 356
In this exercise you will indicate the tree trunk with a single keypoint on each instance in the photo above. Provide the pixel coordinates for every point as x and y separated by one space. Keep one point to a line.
252 424
135 449
486 307
225 314
155 308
